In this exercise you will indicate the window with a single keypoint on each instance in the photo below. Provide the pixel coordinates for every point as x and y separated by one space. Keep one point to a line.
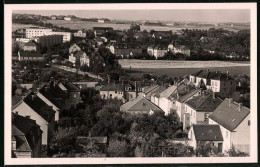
206 116
248 122
27 116
115 91
75 96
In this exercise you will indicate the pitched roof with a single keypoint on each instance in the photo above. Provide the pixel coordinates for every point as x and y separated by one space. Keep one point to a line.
140 104
229 116
70 86
149 89
112 87
39 106
186 94
22 123
204 103
171 90
207 133
157 92
31 43
21 141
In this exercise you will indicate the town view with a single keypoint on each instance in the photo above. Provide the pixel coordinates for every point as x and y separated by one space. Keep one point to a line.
99 86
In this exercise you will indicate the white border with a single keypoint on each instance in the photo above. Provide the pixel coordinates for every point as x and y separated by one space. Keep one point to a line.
8 9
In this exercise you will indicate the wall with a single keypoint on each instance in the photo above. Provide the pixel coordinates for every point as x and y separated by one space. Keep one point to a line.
24 110
240 137
114 94
23 154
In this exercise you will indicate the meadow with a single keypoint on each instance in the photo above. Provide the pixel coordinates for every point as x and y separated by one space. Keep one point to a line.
181 68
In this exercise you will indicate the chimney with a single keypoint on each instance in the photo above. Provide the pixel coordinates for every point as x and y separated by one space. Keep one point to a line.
240 105
230 100
213 95
33 97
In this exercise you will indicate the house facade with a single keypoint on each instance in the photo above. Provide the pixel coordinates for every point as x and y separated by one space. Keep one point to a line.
80 33
30 56
234 121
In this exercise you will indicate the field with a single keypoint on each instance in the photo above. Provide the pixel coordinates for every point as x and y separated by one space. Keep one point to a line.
181 68
16 26
89 25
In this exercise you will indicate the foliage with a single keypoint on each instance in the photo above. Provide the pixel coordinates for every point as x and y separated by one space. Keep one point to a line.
117 148
233 152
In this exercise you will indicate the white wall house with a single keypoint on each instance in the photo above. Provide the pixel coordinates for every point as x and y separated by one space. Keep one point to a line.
234 122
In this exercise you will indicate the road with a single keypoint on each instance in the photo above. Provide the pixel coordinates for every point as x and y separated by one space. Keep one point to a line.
79 72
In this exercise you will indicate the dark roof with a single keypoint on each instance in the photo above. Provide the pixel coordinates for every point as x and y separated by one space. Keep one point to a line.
204 103
30 54
149 89
70 86
21 141
16 99
207 133
229 116
39 106
157 92
102 28
182 47
112 87
22 123
31 43
140 104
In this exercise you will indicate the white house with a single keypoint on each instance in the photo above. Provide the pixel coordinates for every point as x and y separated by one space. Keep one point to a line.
234 121
35 108
205 134
74 48
198 109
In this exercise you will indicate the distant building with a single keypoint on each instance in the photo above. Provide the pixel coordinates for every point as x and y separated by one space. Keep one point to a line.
81 33
101 21
66 35
74 48
53 17
50 40
140 105
124 50
100 30
158 50
26 137
81 57
234 121
181 49
112 90
67 18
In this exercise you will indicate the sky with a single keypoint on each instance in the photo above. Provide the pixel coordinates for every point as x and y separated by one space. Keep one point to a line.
194 15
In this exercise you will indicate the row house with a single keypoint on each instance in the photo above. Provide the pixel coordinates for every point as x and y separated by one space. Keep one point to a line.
140 105
125 91
35 108
215 81
157 51
179 49
198 109
234 121
124 50
80 57
26 137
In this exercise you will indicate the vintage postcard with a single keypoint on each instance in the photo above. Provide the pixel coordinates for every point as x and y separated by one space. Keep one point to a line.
130 83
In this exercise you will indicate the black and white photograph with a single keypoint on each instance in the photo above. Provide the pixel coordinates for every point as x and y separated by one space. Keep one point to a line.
130 83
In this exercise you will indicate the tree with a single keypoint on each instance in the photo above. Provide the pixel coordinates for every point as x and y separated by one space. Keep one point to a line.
117 148
84 68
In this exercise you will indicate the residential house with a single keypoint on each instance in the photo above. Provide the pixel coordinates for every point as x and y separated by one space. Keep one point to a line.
234 121
101 30
74 48
132 89
81 33
31 46
159 50
215 81
198 109
147 91
182 96
53 17
162 34
181 49
96 60
99 41
112 90
200 135
26 137
30 56
35 108
140 105
80 57
150 50
124 50
48 100
155 96
67 18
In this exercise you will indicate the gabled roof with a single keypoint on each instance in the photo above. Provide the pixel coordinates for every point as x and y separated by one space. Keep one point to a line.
149 89
207 133
140 104
80 53
112 87
21 141
31 43
156 93
22 123
70 86
229 116
204 103
39 106
186 94
171 90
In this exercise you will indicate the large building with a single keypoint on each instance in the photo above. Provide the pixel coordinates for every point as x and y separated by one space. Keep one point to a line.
37 32
100 30
29 56
80 33
50 40
124 50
